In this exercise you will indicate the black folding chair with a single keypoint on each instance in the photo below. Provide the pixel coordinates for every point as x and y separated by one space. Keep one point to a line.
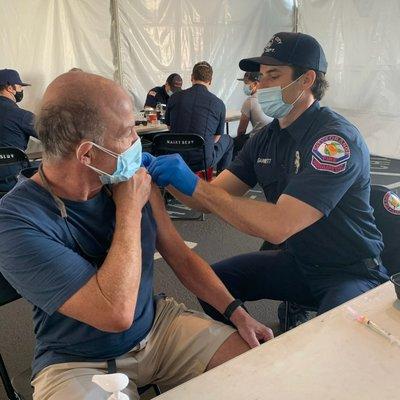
7 295
169 143
12 161
388 222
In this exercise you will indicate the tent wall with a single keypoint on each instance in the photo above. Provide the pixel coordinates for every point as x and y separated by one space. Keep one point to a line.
44 38
361 41
161 37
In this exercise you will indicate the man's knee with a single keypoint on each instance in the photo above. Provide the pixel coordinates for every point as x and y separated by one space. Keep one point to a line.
232 347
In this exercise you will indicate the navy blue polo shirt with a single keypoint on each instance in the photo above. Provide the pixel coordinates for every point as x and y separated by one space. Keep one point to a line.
156 95
47 260
16 124
197 110
322 160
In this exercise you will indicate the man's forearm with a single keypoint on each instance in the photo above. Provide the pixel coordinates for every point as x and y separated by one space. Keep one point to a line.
255 218
119 276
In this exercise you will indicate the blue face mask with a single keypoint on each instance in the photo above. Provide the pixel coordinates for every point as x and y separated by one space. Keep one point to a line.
170 93
272 103
247 90
128 163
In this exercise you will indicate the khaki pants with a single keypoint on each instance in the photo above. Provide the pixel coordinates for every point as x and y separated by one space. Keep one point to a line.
180 345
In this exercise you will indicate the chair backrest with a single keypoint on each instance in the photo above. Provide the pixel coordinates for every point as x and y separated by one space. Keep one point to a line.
177 142
386 206
13 156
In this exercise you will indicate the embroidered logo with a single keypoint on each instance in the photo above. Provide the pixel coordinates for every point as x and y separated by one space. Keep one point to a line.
330 153
268 48
152 93
391 202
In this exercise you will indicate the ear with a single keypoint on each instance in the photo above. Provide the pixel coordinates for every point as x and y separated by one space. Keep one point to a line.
84 153
308 79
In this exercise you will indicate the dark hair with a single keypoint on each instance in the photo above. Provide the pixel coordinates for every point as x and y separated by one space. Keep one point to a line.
202 71
3 87
61 127
320 85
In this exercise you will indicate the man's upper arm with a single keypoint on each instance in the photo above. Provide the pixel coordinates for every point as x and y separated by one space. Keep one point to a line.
28 123
327 174
221 126
151 100
42 270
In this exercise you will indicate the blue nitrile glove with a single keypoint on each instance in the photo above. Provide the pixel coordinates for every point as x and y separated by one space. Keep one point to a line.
147 159
172 170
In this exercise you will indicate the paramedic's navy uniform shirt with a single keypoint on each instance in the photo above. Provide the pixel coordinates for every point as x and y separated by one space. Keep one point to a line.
156 95
197 110
16 125
322 160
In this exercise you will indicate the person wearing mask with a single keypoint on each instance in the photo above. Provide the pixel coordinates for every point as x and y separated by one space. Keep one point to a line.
251 111
197 110
314 168
77 240
16 124
161 94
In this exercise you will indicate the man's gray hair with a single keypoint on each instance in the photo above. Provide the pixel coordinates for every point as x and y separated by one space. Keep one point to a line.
61 127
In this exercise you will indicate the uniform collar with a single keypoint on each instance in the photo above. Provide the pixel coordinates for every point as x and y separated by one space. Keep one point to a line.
7 100
300 126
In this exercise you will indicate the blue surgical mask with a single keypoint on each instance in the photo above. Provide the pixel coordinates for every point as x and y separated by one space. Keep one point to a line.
272 103
128 163
247 90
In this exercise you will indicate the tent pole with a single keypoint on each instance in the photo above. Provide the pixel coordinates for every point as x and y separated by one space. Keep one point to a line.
295 15
117 36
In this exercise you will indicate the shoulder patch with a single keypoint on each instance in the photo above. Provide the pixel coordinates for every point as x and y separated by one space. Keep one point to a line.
330 153
152 93
391 202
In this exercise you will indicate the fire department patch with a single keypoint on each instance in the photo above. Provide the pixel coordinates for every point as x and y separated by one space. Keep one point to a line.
391 202
330 153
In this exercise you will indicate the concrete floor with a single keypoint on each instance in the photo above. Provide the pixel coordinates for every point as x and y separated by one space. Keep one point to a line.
215 240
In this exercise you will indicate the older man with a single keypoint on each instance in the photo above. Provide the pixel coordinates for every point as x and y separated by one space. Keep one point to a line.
82 254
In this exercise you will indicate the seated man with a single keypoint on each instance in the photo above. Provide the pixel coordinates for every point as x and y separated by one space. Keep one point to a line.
161 94
251 111
16 124
197 110
82 254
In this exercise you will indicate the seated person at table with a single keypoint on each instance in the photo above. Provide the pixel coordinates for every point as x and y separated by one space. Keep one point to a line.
77 240
161 94
197 110
251 111
16 124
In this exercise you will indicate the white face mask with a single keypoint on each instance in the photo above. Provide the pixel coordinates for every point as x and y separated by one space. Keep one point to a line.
272 103
247 89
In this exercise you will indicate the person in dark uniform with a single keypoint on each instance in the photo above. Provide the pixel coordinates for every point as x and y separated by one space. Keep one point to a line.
16 124
161 94
197 110
313 166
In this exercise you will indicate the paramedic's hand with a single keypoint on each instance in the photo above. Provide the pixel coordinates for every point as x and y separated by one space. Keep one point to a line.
172 170
147 159
252 332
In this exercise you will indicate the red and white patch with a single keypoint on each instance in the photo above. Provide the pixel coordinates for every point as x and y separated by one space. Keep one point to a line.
330 153
152 93
391 202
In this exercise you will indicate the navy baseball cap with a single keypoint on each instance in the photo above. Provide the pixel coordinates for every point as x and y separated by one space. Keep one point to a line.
289 48
251 76
11 77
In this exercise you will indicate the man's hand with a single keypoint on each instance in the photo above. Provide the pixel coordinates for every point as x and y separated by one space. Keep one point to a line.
172 170
252 331
134 193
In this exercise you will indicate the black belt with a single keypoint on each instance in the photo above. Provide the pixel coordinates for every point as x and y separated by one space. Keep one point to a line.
111 366
373 262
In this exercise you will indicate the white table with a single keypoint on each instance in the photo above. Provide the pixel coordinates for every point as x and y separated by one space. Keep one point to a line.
329 357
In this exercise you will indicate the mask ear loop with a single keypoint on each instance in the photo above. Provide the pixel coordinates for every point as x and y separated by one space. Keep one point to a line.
61 206
291 83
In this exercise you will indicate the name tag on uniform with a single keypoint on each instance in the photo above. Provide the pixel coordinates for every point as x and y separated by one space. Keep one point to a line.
265 161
